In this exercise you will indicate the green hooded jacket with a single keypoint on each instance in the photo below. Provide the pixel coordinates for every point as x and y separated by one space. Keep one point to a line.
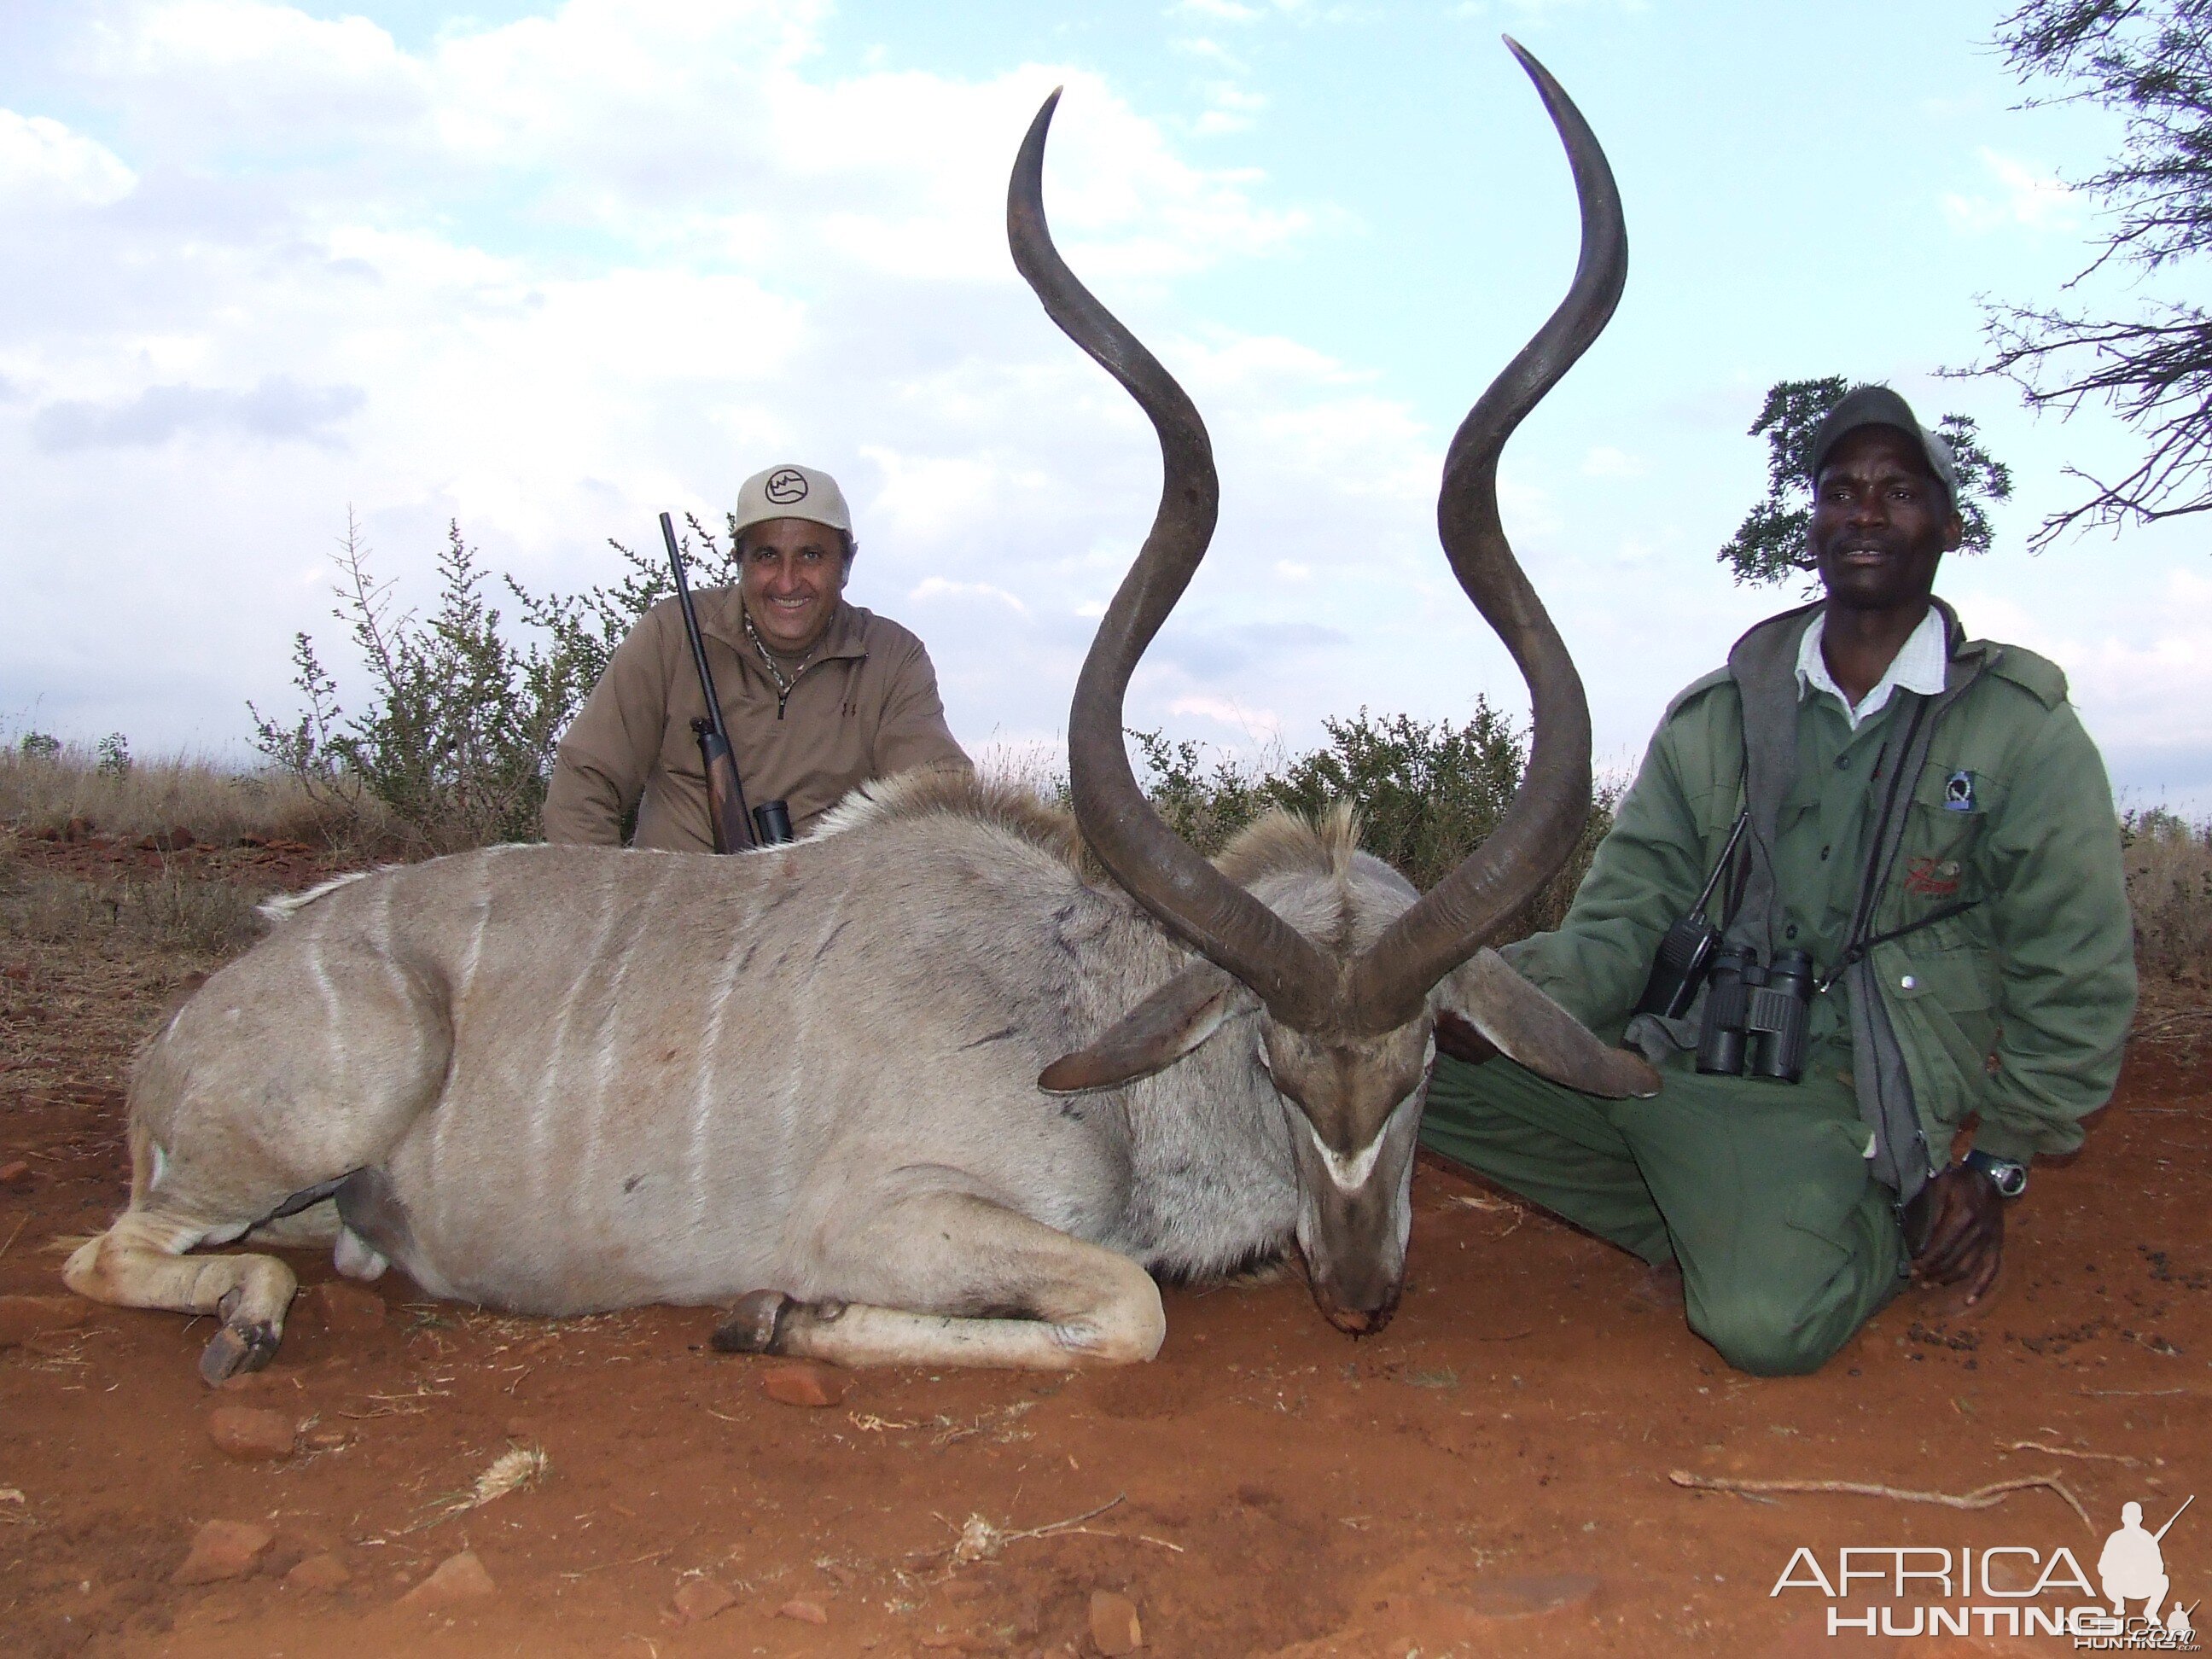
2014 1009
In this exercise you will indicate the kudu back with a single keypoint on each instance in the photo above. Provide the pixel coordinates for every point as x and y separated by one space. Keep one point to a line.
929 1087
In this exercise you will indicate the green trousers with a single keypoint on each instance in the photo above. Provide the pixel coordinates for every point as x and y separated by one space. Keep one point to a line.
1759 1190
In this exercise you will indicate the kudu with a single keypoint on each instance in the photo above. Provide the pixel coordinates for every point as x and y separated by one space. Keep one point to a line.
924 1088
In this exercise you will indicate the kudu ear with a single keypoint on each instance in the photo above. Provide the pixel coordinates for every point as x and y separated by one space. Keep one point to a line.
1484 1005
1151 1037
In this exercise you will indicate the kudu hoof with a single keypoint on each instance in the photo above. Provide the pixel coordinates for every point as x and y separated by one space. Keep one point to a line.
755 1324
242 1344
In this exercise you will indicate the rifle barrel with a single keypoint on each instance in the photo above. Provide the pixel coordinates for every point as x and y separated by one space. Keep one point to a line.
2176 1516
711 753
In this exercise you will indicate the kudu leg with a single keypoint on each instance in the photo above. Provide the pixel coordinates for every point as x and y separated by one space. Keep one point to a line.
140 1262
949 1278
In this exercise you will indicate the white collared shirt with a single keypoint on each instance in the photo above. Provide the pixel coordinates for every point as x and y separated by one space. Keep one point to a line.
1919 665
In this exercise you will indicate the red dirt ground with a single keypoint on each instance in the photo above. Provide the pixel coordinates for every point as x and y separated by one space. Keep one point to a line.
1488 1476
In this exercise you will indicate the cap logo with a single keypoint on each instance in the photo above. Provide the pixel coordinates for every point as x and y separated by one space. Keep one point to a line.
785 485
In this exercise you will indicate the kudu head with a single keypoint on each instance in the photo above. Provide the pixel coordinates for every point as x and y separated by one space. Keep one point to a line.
1353 1001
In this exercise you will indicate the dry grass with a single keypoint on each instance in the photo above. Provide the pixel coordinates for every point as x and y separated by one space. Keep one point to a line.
2169 868
2168 859
159 797
172 914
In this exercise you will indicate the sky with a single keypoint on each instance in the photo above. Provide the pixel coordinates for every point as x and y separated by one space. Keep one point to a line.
548 269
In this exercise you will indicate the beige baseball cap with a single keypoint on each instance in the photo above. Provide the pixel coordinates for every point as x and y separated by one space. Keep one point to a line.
793 492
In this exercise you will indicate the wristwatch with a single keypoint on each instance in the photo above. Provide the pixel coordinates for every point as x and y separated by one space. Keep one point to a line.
2008 1175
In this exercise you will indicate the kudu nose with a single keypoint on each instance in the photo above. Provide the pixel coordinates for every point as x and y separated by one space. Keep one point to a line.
1356 1320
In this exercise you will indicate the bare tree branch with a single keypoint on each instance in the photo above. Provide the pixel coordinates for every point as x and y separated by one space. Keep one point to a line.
2152 61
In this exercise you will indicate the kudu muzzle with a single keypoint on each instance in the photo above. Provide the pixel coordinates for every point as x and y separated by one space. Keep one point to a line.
1353 1237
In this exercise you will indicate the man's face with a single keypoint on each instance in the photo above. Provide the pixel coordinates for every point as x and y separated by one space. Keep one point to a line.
1880 522
794 570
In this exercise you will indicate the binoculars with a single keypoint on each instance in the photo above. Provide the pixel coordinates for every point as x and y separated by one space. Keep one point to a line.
1755 1016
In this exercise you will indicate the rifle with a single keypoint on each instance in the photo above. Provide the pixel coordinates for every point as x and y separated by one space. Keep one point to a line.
2163 1530
734 828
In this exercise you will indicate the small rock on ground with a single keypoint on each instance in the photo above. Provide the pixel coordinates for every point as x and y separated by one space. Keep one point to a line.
1114 1625
325 1572
457 1578
222 1549
802 1382
16 1174
250 1434
702 1598
806 1612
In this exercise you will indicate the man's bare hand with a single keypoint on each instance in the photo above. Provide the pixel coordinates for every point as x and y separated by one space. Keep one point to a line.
1966 1232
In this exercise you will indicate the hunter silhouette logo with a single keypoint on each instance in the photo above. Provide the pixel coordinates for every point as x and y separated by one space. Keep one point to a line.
2006 1589
786 486
2133 1568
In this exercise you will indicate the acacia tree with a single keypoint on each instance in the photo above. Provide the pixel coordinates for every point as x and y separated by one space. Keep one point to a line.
1769 545
2149 360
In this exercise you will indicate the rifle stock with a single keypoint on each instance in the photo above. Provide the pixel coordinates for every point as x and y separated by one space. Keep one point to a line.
726 796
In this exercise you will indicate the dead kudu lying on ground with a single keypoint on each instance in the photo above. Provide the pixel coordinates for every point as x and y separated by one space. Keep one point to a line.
916 1089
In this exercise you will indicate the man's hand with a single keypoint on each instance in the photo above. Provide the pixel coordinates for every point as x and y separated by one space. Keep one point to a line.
1966 1232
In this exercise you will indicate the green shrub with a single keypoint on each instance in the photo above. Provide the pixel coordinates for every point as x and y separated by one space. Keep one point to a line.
1427 795
457 736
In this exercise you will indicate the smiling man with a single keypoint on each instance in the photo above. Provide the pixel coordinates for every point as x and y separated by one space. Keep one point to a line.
819 695
1922 818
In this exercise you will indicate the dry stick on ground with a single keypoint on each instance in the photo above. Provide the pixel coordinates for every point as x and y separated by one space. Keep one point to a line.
979 1541
17 1234
2129 1394
635 1561
1981 1498
2067 1451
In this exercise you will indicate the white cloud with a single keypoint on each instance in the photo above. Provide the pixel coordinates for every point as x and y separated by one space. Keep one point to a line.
1227 12
1260 725
552 276
2027 198
42 161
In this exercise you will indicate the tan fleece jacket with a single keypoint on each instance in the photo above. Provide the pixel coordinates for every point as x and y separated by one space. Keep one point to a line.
864 706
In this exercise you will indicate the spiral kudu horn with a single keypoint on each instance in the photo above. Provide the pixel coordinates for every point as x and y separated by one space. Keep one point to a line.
1532 841
1300 987
1205 908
